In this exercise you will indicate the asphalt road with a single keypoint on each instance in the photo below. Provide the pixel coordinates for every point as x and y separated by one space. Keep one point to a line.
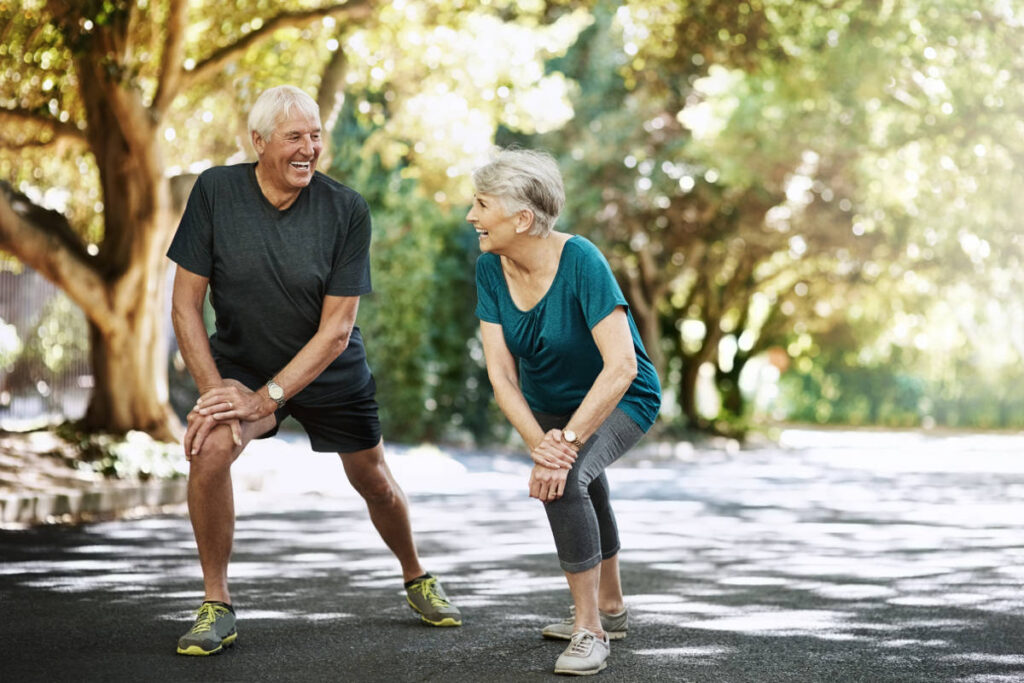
837 557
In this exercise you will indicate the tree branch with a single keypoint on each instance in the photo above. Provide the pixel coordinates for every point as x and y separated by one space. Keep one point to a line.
355 10
43 239
172 56
58 128
331 94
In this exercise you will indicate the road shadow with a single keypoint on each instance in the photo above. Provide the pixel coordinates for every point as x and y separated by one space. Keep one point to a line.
779 566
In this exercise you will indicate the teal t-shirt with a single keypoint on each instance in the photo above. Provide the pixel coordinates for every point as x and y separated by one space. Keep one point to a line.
558 358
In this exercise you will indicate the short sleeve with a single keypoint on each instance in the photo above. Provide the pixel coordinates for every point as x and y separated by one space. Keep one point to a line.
350 274
486 294
597 289
192 246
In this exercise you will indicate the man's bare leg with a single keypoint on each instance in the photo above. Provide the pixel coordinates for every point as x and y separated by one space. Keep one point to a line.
211 508
389 511
211 503
371 477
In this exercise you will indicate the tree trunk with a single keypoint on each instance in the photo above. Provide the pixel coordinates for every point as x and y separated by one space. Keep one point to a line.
688 391
120 283
728 384
648 324
129 365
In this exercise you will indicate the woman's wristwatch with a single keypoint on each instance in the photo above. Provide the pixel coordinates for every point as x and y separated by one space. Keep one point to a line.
572 438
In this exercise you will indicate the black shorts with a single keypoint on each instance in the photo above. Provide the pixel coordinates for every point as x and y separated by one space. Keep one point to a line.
344 423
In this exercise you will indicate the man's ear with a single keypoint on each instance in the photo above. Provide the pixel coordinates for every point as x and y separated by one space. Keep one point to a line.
258 143
524 221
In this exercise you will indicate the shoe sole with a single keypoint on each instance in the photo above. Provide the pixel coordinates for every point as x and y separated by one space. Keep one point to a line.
588 672
196 651
612 635
447 621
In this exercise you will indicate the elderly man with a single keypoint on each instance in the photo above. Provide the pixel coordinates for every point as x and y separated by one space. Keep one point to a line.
285 252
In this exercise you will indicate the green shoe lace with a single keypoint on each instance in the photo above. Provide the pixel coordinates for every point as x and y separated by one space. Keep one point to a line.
428 589
206 615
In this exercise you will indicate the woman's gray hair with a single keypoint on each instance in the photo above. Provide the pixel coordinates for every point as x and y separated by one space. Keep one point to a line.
275 104
523 179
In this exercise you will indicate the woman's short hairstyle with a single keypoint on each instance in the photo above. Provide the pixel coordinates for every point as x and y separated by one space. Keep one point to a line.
524 179
275 104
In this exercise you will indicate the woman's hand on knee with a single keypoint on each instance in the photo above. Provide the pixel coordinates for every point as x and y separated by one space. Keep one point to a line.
547 484
553 452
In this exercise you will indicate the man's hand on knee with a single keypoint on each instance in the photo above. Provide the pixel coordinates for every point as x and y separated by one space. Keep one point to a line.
200 426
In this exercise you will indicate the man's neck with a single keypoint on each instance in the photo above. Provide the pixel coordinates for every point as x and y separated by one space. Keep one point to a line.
280 200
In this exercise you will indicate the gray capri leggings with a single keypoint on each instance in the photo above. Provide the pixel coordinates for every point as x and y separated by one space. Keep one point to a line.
582 520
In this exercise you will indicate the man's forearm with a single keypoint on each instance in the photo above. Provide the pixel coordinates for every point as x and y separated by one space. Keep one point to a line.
311 360
194 346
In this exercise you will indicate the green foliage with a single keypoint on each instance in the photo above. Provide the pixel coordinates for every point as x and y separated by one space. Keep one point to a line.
134 455
841 392
56 343
767 171
60 339
418 325
837 179
10 346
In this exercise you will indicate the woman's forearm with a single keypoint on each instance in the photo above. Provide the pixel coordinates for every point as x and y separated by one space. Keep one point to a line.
517 411
608 388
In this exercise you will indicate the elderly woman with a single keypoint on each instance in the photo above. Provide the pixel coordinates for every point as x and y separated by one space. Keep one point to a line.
570 373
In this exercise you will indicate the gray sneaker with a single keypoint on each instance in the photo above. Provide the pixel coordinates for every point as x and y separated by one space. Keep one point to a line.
213 631
615 625
428 598
586 655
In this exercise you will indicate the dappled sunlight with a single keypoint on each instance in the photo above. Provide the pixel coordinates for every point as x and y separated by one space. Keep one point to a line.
777 622
725 559
699 654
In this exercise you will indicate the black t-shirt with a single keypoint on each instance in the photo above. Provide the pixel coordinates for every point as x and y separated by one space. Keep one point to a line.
270 270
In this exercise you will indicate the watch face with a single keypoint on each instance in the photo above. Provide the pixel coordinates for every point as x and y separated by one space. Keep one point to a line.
275 392
569 435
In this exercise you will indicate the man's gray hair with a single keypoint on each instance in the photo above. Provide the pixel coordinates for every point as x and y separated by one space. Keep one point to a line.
275 104
524 179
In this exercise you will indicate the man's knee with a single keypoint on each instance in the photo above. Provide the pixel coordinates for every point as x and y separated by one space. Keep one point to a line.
216 454
373 484
369 476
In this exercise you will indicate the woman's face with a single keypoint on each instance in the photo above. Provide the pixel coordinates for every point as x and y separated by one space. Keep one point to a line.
494 228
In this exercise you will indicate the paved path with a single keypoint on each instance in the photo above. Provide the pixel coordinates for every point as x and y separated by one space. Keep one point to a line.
837 557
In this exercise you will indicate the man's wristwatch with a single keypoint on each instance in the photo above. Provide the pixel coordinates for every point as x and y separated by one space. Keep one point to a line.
573 438
276 393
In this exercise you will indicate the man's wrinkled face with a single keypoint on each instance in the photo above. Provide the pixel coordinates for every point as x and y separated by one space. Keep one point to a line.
288 158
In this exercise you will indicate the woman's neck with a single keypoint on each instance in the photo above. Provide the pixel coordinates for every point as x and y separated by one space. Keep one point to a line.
535 257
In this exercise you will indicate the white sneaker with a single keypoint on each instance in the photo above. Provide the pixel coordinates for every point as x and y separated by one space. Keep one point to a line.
586 655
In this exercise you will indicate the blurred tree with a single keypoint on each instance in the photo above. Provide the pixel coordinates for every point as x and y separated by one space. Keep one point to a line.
99 77
695 164
418 320
730 165
104 102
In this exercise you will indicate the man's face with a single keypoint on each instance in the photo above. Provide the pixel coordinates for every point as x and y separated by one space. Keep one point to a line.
288 158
